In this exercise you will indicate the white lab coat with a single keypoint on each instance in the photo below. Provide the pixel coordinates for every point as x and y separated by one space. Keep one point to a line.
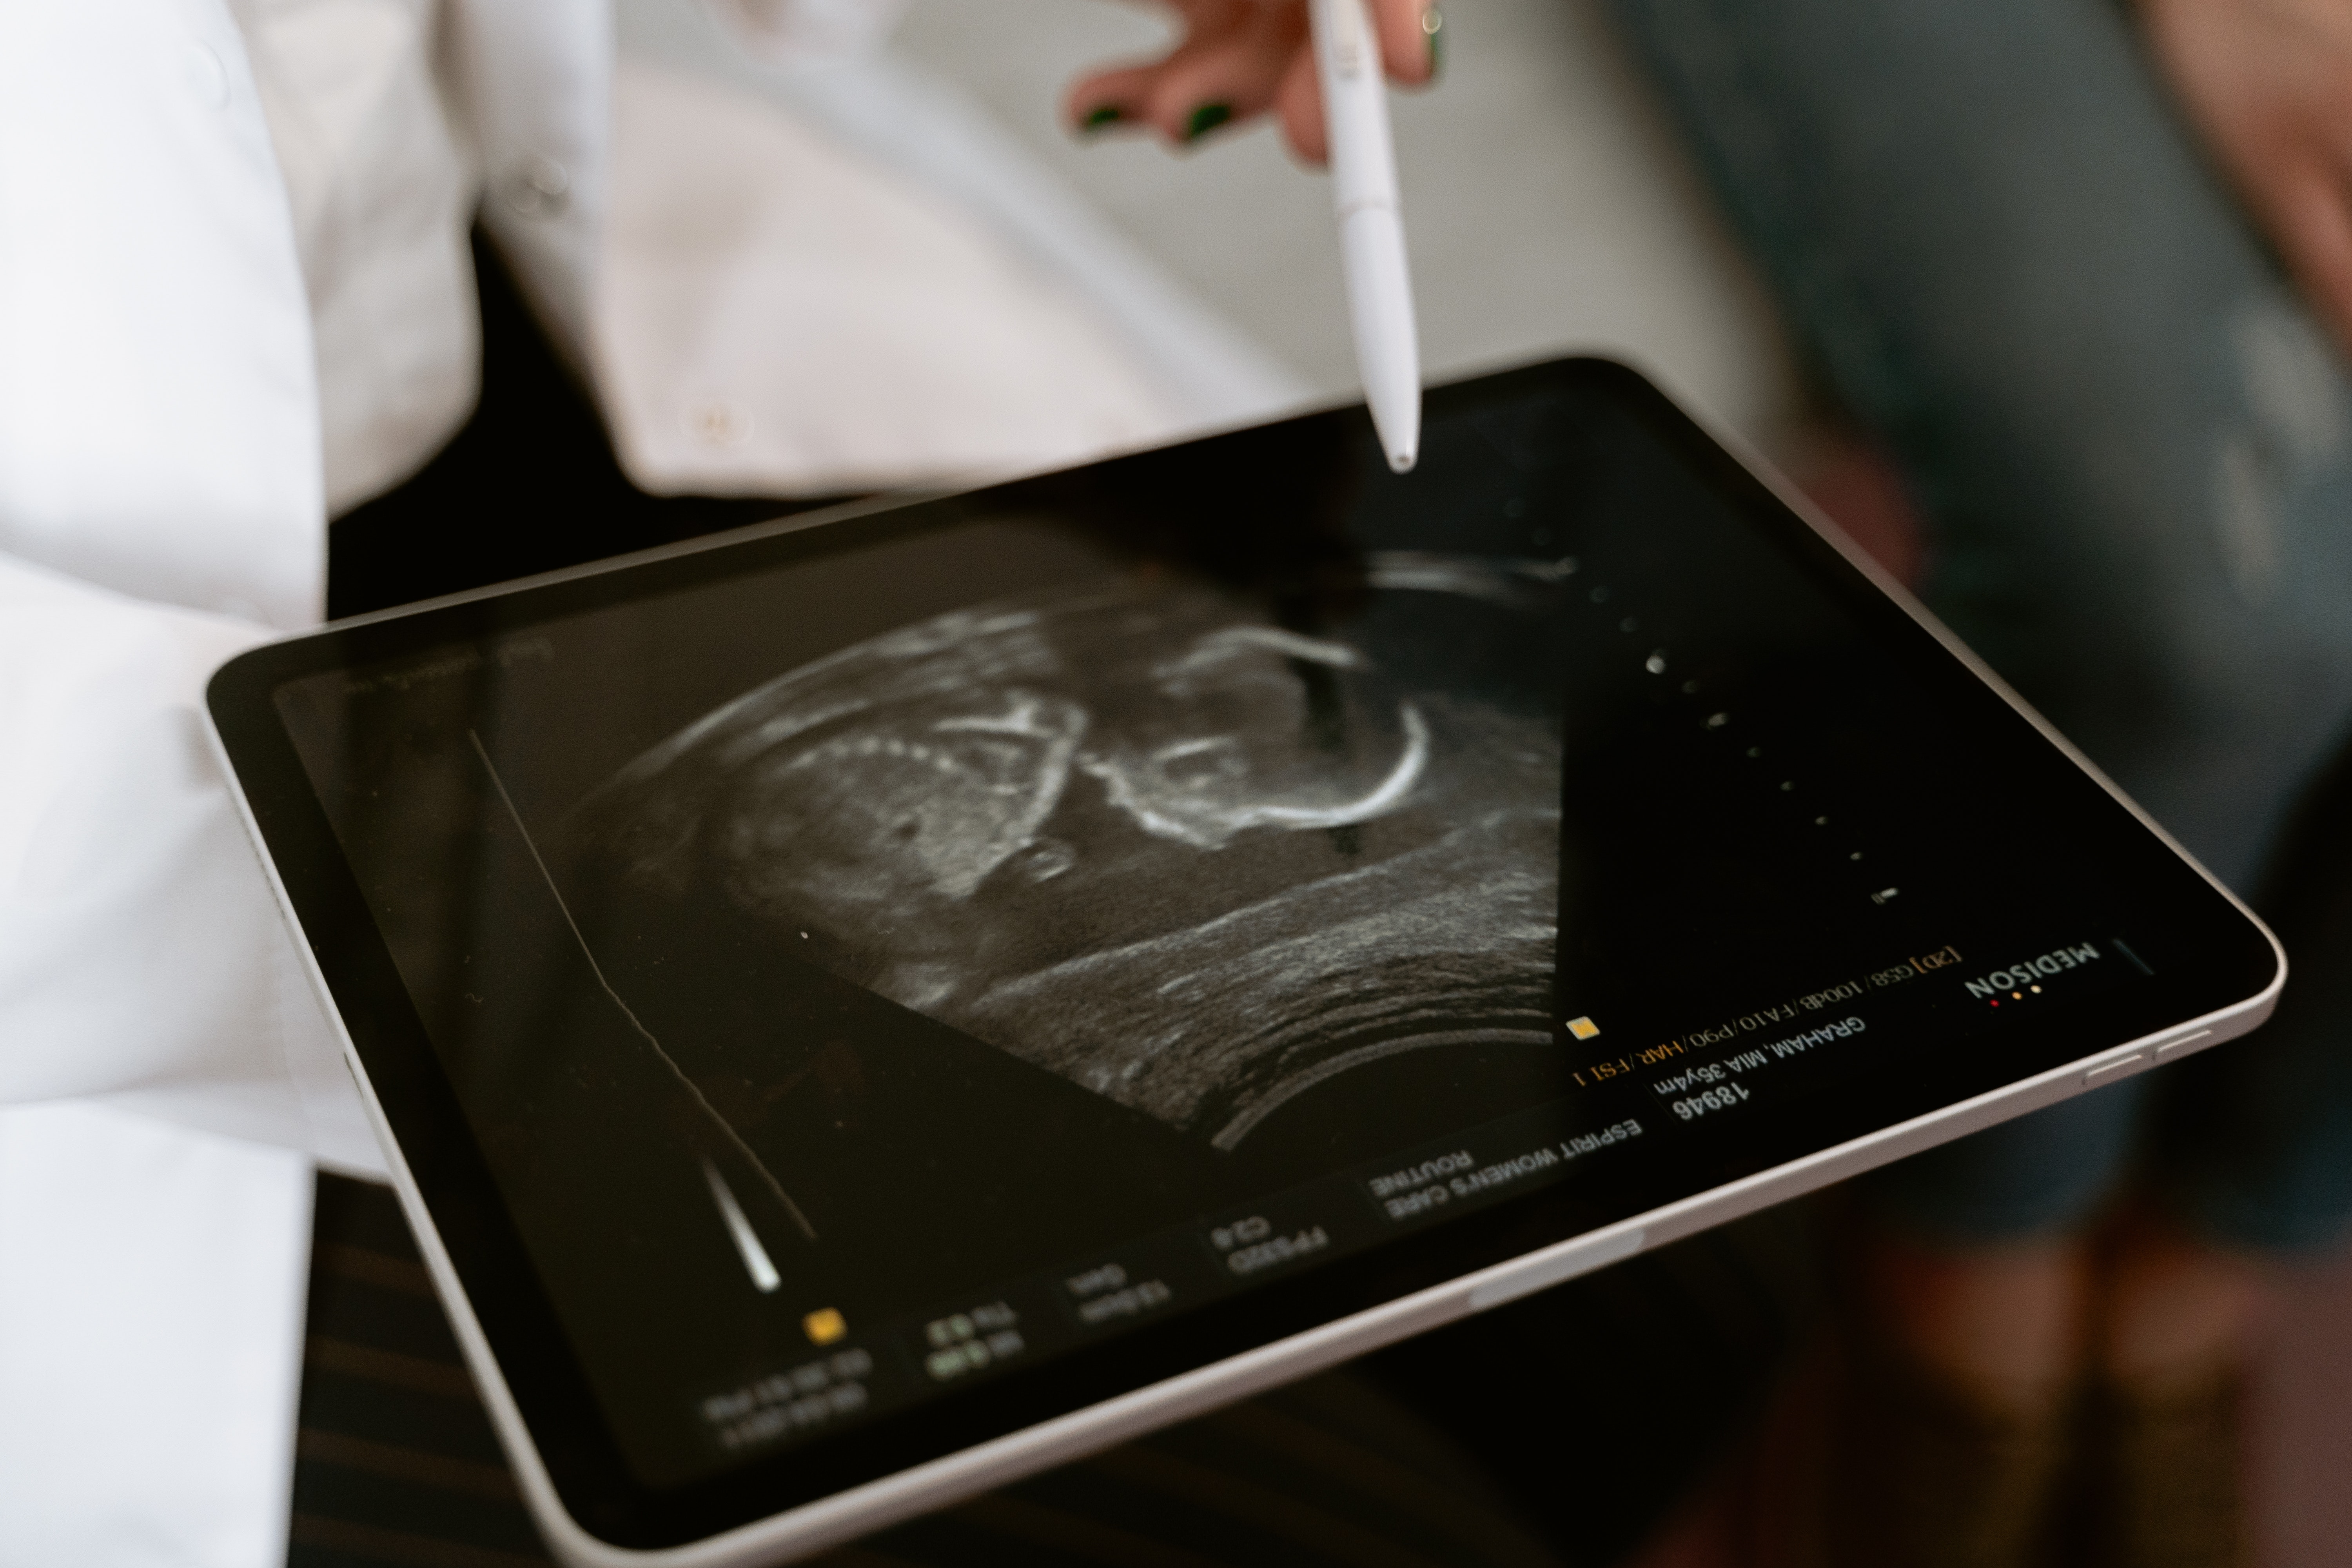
161 508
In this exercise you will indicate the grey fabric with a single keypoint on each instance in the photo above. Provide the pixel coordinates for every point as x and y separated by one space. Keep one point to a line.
2005 256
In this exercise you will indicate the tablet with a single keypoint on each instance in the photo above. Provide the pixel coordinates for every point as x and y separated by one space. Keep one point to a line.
868 1008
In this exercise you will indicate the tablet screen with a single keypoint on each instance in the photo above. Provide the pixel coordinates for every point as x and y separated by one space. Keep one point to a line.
879 963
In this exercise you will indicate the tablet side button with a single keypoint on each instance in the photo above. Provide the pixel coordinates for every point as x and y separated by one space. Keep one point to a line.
2183 1045
1549 1271
2109 1071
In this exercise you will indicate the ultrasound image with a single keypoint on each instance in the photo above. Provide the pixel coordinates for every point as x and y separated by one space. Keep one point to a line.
1138 835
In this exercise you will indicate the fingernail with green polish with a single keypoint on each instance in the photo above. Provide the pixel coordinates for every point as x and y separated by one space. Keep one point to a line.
1102 114
1205 119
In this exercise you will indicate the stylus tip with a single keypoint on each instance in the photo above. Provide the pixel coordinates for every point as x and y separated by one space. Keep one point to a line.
1402 461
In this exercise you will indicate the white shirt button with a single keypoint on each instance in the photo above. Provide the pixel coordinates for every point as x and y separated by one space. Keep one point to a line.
537 187
718 424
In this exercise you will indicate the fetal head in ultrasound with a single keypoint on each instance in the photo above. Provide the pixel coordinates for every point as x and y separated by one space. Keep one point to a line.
1136 834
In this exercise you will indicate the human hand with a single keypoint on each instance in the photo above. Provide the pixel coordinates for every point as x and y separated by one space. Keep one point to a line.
1239 58
2269 84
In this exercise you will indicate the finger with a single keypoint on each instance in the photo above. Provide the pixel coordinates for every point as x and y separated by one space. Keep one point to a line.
1109 98
1229 78
1298 102
1106 99
1409 31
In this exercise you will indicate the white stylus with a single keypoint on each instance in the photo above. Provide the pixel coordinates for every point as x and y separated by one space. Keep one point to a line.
1371 230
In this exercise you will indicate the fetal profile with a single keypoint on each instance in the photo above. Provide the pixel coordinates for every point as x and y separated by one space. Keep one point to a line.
1137 833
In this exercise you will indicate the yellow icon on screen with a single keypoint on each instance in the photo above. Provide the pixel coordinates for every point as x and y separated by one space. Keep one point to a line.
1583 1029
825 1326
